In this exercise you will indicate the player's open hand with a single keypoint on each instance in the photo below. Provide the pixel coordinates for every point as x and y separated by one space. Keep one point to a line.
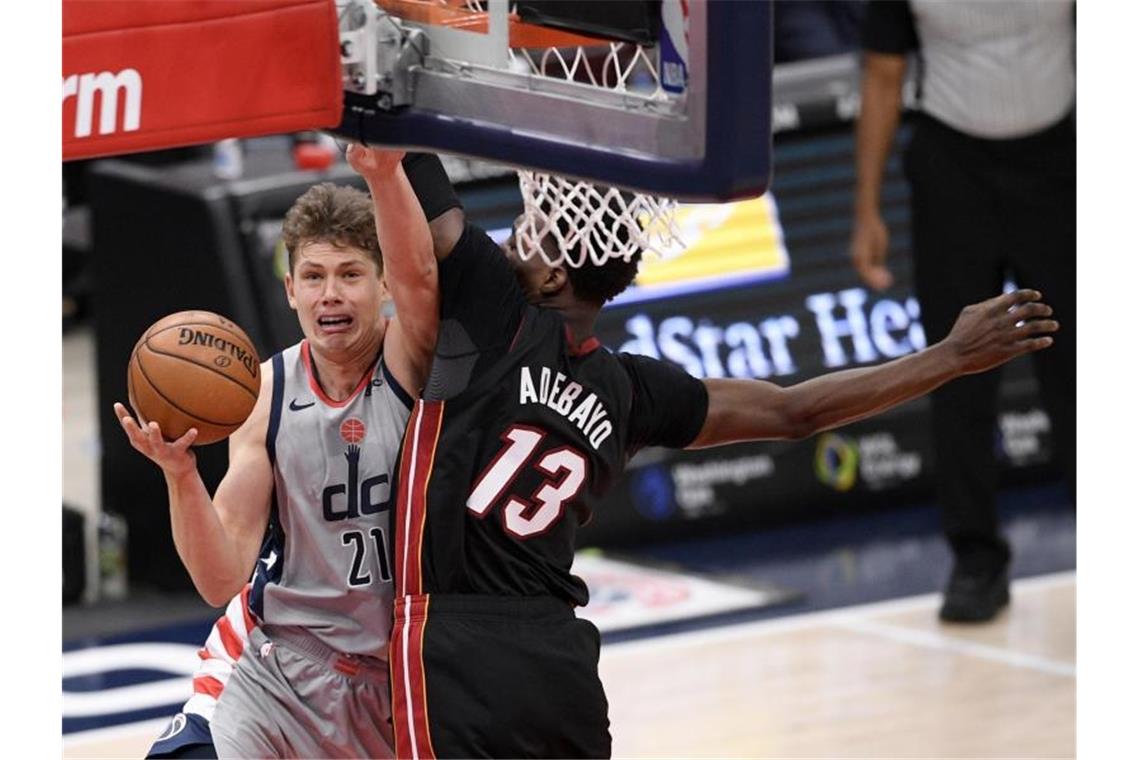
373 162
174 457
993 332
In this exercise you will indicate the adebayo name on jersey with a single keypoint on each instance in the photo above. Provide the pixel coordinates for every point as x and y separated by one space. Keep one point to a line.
557 392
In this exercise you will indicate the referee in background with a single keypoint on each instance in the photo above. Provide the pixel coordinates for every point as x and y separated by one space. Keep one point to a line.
992 172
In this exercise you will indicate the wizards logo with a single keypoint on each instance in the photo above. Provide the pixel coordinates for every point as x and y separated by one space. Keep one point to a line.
356 496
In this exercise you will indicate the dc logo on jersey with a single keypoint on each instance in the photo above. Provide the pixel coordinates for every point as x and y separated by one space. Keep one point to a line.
347 501
352 430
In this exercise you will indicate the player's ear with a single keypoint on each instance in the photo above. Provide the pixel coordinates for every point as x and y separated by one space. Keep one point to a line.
289 291
554 281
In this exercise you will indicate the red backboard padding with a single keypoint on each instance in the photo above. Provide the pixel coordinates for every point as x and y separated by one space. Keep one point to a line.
145 74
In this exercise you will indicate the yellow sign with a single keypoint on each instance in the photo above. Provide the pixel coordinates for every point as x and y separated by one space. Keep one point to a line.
724 244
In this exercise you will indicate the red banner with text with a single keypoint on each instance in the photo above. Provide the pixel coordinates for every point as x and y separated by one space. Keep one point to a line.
141 75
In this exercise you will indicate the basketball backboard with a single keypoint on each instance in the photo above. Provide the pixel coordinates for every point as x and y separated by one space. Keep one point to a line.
685 114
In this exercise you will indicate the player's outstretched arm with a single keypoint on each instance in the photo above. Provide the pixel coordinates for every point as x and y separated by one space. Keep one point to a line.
217 539
986 335
410 267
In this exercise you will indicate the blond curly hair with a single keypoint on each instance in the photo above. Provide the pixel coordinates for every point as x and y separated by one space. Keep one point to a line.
328 213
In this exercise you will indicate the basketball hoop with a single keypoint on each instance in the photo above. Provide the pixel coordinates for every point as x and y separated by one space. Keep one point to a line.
669 98
591 224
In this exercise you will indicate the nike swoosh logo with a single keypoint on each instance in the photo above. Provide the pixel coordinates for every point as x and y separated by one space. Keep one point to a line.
294 406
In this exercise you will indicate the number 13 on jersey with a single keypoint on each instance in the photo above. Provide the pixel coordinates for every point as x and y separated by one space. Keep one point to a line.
565 470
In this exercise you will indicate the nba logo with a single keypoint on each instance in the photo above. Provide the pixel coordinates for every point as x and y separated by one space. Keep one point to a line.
674 46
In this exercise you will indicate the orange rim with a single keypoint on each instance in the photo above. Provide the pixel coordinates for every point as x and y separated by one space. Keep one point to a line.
452 14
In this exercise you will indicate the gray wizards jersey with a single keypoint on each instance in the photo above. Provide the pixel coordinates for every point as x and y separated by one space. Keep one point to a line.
325 564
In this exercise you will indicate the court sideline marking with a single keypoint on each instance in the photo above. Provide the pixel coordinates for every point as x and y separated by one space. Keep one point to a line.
838 617
948 643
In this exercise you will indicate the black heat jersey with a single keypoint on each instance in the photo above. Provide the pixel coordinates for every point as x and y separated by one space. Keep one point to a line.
519 432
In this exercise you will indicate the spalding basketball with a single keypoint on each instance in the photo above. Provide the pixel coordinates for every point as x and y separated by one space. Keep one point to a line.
194 369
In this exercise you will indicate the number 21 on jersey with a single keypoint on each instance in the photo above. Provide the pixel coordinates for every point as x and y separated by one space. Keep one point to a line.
565 470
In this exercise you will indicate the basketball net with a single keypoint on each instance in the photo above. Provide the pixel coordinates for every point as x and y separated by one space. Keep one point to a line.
588 223
592 223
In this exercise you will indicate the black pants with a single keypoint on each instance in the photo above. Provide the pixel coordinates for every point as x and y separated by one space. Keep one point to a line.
485 676
982 209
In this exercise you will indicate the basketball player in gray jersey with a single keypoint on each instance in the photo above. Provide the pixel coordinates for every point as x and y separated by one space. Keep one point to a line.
309 481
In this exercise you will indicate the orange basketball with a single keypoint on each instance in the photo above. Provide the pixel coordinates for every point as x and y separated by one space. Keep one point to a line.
194 369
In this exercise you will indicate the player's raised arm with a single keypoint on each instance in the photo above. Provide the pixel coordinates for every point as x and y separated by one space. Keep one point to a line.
437 197
410 268
986 335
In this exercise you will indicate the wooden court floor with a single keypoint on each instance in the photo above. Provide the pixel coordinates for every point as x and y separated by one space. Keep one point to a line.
874 681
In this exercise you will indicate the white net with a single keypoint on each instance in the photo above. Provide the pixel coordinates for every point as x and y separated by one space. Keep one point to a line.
591 224
586 223
617 66
621 67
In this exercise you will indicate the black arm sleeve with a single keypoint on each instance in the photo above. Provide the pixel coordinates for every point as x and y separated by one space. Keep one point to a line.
669 405
479 291
430 183
888 27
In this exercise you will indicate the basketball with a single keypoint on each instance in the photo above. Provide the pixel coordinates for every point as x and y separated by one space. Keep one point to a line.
194 369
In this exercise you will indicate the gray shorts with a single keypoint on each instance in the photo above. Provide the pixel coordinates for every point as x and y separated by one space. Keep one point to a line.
291 696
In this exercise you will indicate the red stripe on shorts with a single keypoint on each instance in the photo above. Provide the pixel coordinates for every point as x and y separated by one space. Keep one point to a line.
419 685
409 687
398 682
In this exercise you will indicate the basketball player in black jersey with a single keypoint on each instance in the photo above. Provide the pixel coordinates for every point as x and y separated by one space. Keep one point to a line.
525 422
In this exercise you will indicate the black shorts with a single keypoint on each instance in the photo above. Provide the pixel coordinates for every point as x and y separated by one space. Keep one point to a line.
488 676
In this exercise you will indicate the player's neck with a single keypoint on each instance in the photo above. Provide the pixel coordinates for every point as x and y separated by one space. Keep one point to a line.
580 321
340 373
